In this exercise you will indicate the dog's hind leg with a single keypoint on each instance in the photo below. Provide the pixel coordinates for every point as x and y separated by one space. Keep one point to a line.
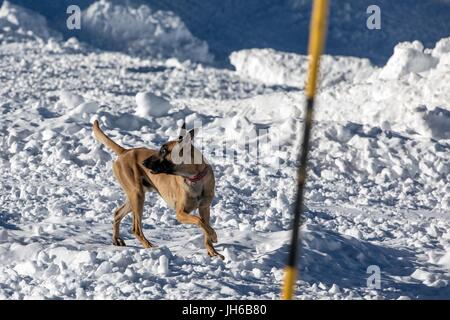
130 180
137 206
121 212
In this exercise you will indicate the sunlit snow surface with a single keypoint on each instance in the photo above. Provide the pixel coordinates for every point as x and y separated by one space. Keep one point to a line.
378 187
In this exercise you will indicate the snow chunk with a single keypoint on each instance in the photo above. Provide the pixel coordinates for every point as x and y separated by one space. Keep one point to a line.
163 267
334 289
77 105
151 105
16 17
354 232
431 123
121 259
422 275
174 63
70 100
445 260
85 108
84 257
141 30
442 46
104 268
229 254
257 273
27 268
98 154
408 57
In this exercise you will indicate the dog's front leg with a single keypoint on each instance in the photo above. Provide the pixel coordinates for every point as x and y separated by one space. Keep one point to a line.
204 215
184 217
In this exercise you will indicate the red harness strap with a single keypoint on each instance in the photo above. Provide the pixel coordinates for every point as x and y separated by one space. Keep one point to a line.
197 178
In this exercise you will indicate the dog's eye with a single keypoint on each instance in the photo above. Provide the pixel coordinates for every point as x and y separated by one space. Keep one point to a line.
163 151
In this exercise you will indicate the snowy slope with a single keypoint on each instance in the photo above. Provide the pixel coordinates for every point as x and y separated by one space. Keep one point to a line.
232 25
378 188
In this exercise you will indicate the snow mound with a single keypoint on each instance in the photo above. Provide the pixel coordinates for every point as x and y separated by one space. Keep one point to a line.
76 104
18 18
89 107
442 46
141 31
151 105
408 57
70 100
281 68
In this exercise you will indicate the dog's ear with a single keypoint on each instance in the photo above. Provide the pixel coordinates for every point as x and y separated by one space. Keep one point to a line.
182 131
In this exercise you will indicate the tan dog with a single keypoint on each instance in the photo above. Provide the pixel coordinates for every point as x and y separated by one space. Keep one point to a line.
184 186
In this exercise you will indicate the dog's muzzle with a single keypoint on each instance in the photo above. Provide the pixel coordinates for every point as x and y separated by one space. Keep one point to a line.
158 165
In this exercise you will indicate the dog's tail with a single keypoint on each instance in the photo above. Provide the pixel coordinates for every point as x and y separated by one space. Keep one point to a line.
103 138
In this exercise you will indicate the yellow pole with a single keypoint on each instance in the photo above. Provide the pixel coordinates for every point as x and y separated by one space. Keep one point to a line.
317 33
316 43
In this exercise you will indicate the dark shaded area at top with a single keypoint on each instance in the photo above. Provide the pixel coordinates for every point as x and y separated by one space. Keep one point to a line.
230 25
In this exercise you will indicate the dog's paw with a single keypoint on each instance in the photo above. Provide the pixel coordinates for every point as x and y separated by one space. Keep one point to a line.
211 251
220 256
212 235
147 244
119 242
216 254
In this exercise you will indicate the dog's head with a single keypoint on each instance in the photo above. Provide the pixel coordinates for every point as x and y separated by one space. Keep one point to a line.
178 157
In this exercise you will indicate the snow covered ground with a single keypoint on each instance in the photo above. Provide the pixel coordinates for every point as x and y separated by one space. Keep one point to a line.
378 188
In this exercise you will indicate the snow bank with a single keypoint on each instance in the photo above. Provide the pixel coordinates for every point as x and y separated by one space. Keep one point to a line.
20 19
409 94
281 68
141 31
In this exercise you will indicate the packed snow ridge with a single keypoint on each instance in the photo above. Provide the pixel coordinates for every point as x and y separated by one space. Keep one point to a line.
290 69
